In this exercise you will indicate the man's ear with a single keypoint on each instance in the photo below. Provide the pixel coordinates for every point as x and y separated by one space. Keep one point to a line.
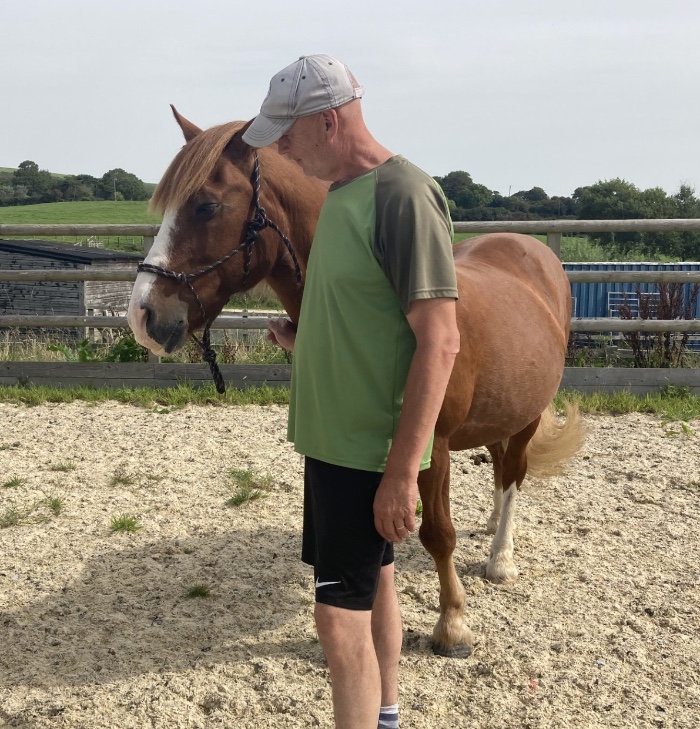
330 121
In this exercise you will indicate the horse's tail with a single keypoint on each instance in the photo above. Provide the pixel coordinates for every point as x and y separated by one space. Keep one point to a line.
555 442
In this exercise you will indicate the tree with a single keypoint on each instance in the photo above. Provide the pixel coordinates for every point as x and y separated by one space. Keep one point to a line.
610 200
655 203
618 200
614 199
536 195
26 174
687 205
72 189
682 246
118 182
473 196
38 183
454 182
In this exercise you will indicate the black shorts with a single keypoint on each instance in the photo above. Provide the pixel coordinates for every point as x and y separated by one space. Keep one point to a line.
340 539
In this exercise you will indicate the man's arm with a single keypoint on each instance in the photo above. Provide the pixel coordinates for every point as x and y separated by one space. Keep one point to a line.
434 324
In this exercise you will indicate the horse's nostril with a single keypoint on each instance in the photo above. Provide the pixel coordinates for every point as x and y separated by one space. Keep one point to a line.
150 321
148 309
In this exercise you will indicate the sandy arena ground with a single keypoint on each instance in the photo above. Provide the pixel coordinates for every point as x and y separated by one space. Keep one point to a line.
602 628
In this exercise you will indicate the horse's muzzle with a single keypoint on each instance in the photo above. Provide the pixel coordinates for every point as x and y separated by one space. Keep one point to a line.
169 332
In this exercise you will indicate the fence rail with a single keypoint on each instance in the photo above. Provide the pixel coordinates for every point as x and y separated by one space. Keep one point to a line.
236 321
147 374
658 225
553 229
224 321
112 229
129 274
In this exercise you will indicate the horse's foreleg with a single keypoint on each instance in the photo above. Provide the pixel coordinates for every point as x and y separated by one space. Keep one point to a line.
501 567
451 635
496 451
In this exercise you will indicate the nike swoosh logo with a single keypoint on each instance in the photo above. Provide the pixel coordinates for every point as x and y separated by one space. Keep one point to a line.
323 584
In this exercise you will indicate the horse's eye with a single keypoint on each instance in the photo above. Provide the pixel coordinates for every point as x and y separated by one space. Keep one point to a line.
207 210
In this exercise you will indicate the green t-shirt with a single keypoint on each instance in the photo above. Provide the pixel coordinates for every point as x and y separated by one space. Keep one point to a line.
382 241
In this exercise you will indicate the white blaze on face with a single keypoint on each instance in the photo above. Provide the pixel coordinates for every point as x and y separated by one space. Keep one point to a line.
159 255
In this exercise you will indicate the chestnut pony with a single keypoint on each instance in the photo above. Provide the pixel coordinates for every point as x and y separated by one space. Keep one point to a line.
513 313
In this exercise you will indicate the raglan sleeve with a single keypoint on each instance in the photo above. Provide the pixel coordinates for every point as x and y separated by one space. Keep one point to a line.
414 236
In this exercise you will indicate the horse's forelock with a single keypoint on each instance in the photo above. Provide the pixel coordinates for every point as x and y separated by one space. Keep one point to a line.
192 166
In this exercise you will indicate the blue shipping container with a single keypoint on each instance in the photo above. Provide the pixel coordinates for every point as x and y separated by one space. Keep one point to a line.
600 300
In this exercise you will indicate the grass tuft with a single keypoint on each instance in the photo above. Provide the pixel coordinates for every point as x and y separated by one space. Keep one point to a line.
13 483
10 517
247 486
198 591
55 504
64 467
121 478
124 523
688 430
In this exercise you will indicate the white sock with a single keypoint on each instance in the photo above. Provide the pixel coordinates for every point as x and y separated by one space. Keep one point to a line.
389 717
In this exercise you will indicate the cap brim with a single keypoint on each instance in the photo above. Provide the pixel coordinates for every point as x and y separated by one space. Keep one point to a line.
265 130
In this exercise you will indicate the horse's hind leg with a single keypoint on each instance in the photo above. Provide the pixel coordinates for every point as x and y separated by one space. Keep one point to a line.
496 450
451 635
500 567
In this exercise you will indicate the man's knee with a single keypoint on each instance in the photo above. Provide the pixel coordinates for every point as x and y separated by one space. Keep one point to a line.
337 626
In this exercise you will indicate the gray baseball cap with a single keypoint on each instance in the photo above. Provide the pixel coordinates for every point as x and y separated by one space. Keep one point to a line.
307 86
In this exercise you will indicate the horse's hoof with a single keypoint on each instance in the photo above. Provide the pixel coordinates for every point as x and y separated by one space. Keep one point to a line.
501 573
461 650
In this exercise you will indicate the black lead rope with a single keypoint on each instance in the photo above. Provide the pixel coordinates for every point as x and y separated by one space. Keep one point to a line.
258 223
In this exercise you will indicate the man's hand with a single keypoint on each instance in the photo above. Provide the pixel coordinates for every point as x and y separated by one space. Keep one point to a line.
282 332
395 507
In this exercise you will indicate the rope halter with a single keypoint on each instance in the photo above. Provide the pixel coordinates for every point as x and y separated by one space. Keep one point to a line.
255 225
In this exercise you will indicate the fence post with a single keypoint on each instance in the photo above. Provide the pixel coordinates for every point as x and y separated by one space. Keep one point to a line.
554 242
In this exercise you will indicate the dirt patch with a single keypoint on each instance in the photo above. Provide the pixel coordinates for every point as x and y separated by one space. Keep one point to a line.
602 628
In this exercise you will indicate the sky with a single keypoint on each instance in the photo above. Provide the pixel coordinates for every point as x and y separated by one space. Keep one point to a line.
543 93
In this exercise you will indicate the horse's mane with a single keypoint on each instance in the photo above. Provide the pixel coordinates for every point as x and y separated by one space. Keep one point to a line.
191 167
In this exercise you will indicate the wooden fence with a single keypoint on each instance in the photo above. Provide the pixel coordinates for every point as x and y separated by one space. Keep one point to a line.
148 374
161 375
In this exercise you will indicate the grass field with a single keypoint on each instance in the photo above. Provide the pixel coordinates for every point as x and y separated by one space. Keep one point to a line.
132 213
99 212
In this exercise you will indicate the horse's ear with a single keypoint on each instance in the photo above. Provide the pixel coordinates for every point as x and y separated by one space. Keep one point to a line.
237 148
188 128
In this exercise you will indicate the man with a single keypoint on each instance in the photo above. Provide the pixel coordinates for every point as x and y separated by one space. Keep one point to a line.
373 352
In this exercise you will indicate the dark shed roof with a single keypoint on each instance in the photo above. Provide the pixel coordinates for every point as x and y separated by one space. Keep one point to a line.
66 252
